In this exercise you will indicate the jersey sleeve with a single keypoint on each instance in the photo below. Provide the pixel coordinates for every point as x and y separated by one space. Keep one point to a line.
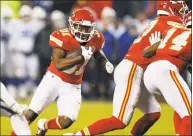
58 40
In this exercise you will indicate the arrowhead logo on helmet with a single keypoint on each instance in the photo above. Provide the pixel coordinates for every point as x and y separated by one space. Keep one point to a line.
188 19
172 8
82 25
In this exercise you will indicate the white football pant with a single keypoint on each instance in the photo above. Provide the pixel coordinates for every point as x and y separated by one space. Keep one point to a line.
67 96
165 77
130 93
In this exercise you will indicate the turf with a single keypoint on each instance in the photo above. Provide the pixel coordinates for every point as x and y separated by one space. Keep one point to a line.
92 111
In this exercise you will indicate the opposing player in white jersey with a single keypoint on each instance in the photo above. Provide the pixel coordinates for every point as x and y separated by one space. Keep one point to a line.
170 56
24 61
10 108
6 19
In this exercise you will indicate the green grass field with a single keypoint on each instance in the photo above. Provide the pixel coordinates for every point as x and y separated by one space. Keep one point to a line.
92 111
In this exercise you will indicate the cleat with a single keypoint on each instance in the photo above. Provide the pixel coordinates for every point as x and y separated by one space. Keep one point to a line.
41 129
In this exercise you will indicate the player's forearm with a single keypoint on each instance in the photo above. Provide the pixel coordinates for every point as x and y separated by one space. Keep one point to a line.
150 50
65 63
103 62
100 58
6 97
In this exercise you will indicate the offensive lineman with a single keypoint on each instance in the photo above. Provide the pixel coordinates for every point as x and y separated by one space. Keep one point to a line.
62 82
128 75
172 55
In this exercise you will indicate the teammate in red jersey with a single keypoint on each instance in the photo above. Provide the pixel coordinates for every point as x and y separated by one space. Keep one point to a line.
62 81
129 93
172 54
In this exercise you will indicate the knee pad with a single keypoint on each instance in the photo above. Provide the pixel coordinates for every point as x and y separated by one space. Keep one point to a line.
64 122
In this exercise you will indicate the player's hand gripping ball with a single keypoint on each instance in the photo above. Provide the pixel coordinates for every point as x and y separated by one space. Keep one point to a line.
74 53
87 52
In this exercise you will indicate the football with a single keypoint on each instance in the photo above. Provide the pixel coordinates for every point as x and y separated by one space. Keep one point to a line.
73 53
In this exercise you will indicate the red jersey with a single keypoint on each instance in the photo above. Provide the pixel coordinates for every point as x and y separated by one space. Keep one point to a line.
65 40
175 47
135 52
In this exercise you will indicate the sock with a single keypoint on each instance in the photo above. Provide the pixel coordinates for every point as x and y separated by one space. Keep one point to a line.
144 123
7 99
22 128
177 120
53 124
13 133
186 126
103 126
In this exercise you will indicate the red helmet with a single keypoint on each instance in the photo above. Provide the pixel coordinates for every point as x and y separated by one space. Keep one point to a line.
188 19
172 7
82 25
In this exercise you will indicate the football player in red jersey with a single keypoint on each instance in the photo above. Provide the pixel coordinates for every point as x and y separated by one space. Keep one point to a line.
172 53
129 92
62 81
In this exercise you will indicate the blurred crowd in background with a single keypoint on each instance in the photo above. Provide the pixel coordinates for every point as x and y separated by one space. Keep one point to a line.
27 25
